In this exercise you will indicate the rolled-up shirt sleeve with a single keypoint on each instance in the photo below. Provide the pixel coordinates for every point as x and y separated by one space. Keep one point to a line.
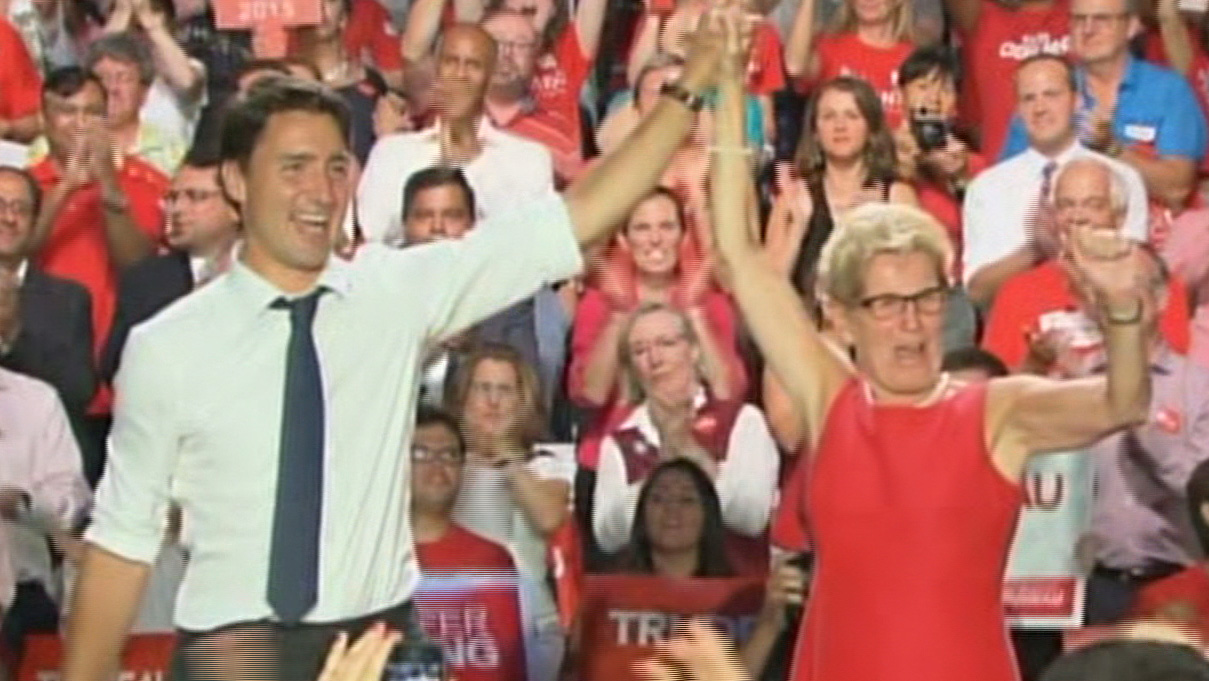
747 479
131 511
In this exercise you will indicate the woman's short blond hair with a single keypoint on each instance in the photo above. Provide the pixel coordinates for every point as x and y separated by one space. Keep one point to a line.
870 230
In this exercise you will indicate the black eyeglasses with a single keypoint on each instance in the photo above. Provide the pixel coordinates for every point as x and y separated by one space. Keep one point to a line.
929 301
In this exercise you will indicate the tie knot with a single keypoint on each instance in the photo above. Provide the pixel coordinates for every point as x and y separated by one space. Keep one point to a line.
302 309
1047 173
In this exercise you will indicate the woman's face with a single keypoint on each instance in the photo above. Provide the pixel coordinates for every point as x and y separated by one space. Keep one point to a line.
842 131
662 355
540 12
873 11
899 344
493 400
653 236
674 513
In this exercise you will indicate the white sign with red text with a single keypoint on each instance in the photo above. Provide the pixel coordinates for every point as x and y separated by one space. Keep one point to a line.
1045 582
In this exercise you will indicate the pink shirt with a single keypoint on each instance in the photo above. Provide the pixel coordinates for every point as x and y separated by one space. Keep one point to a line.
38 455
1186 252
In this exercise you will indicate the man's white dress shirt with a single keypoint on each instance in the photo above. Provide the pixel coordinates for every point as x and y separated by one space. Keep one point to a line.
1002 199
509 172
198 408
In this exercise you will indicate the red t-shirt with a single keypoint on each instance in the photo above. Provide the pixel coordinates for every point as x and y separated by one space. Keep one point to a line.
1198 78
1181 599
845 54
945 207
461 549
555 132
371 37
20 83
1003 38
77 249
1028 295
766 70
560 77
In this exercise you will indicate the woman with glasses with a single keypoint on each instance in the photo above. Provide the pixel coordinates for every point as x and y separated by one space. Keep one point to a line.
678 418
914 479
512 493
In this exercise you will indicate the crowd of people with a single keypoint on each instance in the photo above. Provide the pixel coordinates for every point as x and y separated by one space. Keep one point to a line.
790 293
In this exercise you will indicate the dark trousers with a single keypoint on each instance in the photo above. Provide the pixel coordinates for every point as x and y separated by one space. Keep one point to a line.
1110 593
1035 650
31 612
269 651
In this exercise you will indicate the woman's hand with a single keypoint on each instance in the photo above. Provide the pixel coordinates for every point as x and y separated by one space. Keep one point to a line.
786 586
697 653
365 660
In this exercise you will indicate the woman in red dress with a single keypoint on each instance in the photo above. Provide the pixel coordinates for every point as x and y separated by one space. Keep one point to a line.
913 491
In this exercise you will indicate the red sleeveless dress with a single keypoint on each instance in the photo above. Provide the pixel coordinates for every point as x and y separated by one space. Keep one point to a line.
911 523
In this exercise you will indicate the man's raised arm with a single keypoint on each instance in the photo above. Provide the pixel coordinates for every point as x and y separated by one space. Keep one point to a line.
602 198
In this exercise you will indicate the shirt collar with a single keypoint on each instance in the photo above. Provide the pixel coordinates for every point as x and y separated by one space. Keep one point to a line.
641 416
258 293
1075 150
485 130
1128 80
22 268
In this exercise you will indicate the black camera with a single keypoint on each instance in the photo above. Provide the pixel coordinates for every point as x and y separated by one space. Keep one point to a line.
931 131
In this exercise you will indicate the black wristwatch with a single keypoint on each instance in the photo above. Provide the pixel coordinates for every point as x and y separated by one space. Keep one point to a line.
677 92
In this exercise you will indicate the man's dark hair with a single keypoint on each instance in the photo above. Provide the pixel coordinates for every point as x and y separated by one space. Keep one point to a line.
437 176
31 184
274 65
974 357
69 80
1045 56
203 154
925 61
244 122
125 47
431 416
1130 661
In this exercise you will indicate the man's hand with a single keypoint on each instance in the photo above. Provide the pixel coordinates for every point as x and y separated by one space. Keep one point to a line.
1099 133
10 307
148 17
364 661
12 502
719 46
102 159
77 171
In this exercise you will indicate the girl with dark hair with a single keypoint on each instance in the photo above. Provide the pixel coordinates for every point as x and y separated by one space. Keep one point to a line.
678 529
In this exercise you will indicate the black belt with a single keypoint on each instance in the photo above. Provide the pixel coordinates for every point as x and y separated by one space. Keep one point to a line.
1147 573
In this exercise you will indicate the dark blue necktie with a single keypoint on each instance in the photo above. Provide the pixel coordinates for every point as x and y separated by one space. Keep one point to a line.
294 554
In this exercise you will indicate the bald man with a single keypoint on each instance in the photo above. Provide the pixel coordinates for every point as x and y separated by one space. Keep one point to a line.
503 169
1036 304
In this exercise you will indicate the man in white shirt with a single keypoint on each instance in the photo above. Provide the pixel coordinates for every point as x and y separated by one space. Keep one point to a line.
504 170
1006 223
275 405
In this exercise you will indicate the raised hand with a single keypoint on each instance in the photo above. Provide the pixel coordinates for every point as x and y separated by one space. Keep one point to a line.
1107 267
364 661
698 652
149 17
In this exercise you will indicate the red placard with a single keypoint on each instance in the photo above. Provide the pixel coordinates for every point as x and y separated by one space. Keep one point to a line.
475 617
623 615
268 21
146 657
